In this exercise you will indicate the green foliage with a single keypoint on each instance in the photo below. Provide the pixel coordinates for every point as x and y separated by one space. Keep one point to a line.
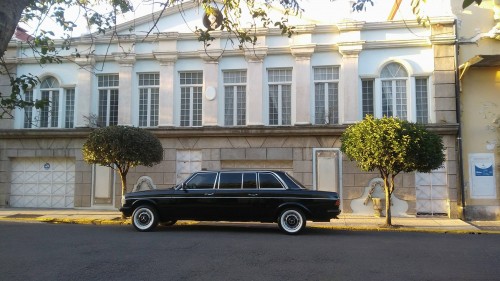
122 147
391 146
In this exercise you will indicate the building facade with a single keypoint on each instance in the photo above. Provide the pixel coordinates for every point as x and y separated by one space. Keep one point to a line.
281 104
479 61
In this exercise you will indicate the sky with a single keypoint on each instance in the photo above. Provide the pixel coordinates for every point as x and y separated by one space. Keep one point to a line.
316 10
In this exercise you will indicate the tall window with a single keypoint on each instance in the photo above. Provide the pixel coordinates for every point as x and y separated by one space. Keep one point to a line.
49 114
69 120
235 97
191 98
394 101
108 99
326 95
280 96
28 111
149 95
367 97
58 111
422 100
391 93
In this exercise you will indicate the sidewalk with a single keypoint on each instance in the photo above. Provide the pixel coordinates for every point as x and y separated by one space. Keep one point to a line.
345 221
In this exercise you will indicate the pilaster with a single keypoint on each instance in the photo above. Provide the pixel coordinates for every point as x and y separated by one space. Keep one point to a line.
125 109
349 85
85 92
301 97
255 95
167 78
210 89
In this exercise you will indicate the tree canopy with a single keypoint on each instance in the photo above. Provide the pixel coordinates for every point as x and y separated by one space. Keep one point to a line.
391 146
121 148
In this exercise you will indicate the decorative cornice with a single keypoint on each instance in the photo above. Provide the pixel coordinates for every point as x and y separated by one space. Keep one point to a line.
125 59
166 57
302 51
256 54
350 25
210 55
211 131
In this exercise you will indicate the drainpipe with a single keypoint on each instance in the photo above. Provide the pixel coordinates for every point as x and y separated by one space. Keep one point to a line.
459 133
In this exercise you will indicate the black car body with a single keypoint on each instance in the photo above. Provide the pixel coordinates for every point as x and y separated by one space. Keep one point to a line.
243 195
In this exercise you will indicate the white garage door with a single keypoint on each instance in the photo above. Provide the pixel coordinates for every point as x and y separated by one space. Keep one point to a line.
43 183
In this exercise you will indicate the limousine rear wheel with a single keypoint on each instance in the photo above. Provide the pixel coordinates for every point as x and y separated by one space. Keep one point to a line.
292 221
145 218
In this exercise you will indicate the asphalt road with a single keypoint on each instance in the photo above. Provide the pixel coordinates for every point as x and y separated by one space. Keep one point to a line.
38 251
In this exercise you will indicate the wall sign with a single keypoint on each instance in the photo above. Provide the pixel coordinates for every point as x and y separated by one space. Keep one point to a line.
482 176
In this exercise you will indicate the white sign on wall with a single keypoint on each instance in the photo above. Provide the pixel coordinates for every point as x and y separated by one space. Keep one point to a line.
482 176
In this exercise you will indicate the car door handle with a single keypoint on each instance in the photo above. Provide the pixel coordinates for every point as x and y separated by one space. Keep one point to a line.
209 194
252 194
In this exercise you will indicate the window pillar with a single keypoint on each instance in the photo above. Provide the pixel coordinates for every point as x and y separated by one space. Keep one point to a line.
167 82
301 97
350 83
84 91
126 62
255 95
210 82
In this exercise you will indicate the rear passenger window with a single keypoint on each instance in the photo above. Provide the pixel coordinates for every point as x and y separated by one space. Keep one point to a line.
267 180
249 180
230 180
202 181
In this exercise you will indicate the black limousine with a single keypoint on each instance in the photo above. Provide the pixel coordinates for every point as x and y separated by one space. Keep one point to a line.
257 196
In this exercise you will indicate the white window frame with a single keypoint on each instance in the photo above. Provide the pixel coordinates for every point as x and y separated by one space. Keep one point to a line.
411 100
60 104
149 87
283 80
193 89
109 87
233 81
333 79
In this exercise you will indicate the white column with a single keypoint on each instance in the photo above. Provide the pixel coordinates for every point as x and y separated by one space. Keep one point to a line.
301 96
210 90
349 85
255 86
125 89
84 91
167 82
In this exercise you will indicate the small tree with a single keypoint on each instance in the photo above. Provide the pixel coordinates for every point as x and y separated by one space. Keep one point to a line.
391 146
121 148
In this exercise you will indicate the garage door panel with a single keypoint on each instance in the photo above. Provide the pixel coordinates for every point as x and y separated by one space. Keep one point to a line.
42 182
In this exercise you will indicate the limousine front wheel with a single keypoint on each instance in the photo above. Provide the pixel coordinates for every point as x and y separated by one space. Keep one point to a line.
145 218
291 221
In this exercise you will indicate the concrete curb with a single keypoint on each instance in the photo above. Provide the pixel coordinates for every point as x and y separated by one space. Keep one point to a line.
119 221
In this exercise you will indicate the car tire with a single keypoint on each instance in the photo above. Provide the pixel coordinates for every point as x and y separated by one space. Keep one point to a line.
292 221
168 223
145 218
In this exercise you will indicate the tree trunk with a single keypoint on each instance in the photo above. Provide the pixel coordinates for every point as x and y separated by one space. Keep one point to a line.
388 187
388 217
123 177
10 14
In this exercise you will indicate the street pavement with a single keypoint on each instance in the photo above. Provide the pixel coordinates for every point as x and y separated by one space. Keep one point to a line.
345 221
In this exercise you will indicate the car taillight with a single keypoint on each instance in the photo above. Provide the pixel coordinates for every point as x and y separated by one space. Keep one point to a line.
337 203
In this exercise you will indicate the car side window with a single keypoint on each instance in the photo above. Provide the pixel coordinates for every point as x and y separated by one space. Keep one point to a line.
269 181
202 181
250 180
230 180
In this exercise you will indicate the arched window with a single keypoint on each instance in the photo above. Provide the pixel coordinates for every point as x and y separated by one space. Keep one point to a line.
59 109
395 93
394 79
49 114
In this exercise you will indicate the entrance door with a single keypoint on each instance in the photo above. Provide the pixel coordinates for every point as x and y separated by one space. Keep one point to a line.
103 183
432 193
326 169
